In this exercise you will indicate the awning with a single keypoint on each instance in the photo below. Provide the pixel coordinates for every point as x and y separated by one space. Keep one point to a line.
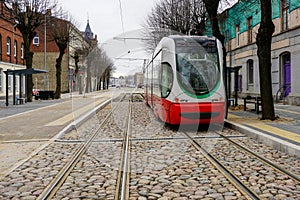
24 71
19 72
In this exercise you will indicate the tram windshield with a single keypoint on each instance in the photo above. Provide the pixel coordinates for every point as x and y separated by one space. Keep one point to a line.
197 66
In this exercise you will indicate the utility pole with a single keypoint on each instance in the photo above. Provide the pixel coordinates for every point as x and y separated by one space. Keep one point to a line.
45 49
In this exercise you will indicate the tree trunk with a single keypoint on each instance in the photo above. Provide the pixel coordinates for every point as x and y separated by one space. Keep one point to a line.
264 41
58 75
28 58
212 10
88 79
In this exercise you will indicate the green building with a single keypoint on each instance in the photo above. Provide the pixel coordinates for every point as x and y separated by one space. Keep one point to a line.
240 25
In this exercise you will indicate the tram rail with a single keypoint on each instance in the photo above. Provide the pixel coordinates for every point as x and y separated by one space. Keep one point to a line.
234 179
56 183
229 175
147 159
270 163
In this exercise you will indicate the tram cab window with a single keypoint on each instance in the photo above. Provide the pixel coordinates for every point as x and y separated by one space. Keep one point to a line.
166 79
198 69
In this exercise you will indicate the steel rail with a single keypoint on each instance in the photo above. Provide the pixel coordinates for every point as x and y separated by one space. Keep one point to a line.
230 176
273 165
54 185
122 190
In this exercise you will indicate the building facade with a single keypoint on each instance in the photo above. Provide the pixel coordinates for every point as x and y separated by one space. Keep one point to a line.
74 57
11 52
240 25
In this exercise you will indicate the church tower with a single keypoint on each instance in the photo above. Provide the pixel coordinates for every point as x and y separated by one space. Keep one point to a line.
88 34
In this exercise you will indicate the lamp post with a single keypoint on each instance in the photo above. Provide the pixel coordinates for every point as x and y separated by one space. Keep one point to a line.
45 53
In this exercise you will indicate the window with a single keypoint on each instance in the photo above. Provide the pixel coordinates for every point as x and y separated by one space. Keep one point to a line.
166 79
9 86
250 71
1 80
237 35
15 48
198 67
36 40
0 44
284 14
8 45
22 50
249 20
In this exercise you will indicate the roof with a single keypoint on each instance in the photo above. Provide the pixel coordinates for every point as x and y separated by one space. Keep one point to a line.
25 71
88 31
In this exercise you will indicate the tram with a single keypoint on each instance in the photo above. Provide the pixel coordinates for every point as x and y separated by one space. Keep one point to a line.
184 80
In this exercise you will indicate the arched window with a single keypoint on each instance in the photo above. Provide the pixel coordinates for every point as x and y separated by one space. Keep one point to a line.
1 80
0 44
15 48
285 73
22 50
8 45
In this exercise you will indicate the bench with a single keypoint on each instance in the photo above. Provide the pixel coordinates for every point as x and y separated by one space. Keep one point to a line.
20 100
230 102
44 95
252 100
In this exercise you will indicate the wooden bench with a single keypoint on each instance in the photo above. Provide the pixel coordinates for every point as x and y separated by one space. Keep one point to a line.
252 100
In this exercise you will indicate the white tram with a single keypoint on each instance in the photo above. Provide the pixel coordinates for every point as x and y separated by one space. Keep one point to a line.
184 80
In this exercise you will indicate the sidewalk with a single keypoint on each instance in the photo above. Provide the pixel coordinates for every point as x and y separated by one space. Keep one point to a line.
282 134
35 120
11 109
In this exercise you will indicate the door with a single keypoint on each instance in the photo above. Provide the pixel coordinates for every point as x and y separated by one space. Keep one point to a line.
287 75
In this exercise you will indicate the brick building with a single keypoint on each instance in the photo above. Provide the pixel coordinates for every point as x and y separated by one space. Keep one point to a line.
45 57
11 51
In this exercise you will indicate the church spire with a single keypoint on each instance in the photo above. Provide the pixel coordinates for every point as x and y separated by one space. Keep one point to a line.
88 31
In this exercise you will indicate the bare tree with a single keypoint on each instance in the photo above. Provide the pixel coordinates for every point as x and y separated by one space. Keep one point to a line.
263 41
100 61
175 17
27 16
82 53
61 35
98 65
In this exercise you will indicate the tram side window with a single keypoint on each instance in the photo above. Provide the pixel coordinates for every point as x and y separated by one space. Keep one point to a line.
166 79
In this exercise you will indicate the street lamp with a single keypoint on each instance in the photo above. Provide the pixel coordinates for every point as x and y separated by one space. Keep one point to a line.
45 53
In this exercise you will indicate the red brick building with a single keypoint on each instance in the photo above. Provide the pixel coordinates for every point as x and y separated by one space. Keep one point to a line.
45 58
11 49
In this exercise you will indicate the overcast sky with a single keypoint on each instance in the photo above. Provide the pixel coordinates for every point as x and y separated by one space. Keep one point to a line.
105 17
105 21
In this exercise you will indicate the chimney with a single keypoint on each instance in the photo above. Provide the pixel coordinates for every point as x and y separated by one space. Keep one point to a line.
15 6
48 12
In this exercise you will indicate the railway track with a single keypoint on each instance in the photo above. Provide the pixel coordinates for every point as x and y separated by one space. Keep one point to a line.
130 155
242 183
60 178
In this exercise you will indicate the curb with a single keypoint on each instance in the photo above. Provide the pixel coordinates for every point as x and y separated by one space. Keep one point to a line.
274 142
81 120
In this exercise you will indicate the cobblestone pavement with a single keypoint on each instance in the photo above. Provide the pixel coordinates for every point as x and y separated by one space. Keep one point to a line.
164 165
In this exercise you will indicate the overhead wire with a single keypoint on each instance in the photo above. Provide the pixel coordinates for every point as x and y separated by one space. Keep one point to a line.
122 21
